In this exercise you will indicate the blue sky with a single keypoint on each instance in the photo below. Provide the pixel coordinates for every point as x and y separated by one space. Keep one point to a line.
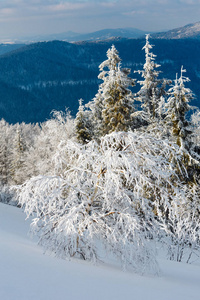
32 17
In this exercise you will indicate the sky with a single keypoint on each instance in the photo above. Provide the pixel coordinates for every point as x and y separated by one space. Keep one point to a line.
19 18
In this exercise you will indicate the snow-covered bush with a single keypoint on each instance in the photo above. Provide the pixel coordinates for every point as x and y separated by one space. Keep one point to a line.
116 194
26 150
181 234
8 195
40 154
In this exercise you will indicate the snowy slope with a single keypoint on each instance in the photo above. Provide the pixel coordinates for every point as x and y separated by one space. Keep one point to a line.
27 274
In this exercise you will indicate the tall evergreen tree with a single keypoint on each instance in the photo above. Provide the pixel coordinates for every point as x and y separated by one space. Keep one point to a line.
177 107
113 104
182 131
152 89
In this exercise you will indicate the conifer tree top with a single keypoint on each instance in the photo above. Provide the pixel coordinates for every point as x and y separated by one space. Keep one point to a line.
150 65
112 62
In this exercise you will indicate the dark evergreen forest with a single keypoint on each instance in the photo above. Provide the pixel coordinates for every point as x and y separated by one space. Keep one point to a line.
40 77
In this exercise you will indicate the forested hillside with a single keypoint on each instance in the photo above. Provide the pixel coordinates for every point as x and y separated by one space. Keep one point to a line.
5 48
38 78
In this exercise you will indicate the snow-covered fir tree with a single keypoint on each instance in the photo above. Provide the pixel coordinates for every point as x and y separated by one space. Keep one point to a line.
112 106
83 126
177 107
95 113
152 91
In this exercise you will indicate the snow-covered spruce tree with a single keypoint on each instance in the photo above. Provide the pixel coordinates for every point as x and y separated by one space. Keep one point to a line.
152 92
113 104
83 126
114 194
180 128
95 113
177 107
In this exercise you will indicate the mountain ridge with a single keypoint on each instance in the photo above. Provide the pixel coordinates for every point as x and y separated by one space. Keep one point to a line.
70 36
189 31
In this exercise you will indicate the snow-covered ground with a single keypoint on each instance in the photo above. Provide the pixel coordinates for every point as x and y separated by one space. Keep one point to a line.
26 273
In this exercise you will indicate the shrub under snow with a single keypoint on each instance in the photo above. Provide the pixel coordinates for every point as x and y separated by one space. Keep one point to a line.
109 195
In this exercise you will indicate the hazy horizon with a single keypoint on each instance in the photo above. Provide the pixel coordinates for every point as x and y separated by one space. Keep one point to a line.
20 18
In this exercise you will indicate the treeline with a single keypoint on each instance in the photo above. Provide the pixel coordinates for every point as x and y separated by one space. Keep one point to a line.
115 178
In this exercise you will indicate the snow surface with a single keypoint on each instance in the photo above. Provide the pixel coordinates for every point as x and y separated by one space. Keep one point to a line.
26 273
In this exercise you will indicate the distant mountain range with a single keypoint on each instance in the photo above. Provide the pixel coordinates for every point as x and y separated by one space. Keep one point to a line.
70 36
40 77
185 32
97 35
190 31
